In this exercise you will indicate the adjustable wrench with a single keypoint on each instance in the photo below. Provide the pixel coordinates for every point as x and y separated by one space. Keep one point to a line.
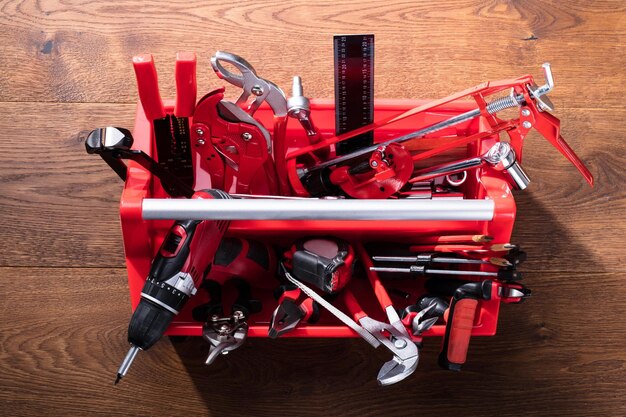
400 342
256 90
393 336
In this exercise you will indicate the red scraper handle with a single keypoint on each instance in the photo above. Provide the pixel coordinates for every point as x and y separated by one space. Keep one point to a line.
148 86
186 87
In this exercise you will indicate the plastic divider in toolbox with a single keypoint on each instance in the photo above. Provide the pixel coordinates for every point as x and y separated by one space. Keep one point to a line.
142 238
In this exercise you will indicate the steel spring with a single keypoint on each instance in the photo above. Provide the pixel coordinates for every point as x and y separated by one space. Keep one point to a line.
501 104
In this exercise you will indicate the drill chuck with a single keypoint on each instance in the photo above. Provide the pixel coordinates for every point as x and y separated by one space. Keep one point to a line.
149 322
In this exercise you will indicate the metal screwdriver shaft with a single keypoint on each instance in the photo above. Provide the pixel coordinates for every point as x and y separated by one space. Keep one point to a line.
128 360
421 270
444 260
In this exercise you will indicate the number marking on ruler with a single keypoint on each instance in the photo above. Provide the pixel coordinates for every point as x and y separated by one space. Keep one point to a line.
354 89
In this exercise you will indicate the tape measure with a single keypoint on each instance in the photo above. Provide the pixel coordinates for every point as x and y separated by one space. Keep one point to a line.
354 89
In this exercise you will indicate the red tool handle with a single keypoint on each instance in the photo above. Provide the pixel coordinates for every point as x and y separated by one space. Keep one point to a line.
550 128
377 285
186 86
353 306
458 333
148 87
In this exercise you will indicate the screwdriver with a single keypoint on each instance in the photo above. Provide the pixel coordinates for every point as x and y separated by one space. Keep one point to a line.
176 272
502 274
498 247
457 239
429 257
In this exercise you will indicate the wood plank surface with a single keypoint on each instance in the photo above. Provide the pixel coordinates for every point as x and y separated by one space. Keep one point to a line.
65 68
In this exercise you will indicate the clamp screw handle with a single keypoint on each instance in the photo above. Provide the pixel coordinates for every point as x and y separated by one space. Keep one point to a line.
549 85
539 93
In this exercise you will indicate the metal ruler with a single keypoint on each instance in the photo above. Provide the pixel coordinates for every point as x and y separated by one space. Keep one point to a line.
354 89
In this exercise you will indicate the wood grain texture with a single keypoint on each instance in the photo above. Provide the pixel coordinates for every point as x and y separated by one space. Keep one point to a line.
78 51
65 68
61 355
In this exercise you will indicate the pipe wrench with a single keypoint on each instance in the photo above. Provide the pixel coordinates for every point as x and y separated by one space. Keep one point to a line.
256 90
393 336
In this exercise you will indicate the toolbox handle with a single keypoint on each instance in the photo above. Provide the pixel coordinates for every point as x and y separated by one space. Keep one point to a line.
318 209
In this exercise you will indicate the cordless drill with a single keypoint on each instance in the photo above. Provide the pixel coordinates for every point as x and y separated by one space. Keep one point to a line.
182 262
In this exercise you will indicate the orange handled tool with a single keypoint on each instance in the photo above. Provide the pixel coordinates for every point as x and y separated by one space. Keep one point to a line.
460 319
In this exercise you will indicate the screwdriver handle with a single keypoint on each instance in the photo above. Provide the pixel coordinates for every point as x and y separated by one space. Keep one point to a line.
148 86
186 86
458 333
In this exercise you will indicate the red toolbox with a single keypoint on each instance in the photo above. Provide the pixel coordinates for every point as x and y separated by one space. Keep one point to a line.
143 238
262 182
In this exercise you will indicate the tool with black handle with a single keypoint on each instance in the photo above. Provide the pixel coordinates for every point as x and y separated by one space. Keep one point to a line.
436 258
423 315
421 270
114 144
177 271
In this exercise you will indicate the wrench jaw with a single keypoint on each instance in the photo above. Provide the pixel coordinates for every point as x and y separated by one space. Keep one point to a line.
396 370
396 339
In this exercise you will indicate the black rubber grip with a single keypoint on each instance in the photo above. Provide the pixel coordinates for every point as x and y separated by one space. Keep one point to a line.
148 323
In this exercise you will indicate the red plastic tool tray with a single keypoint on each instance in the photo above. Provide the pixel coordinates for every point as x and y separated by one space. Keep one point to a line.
143 238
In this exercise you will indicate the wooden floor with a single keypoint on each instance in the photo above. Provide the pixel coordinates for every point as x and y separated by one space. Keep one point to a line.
65 67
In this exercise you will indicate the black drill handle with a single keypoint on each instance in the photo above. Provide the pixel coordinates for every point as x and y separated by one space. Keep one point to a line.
160 302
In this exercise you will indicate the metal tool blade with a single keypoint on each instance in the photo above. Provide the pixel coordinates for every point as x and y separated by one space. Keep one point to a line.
333 310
